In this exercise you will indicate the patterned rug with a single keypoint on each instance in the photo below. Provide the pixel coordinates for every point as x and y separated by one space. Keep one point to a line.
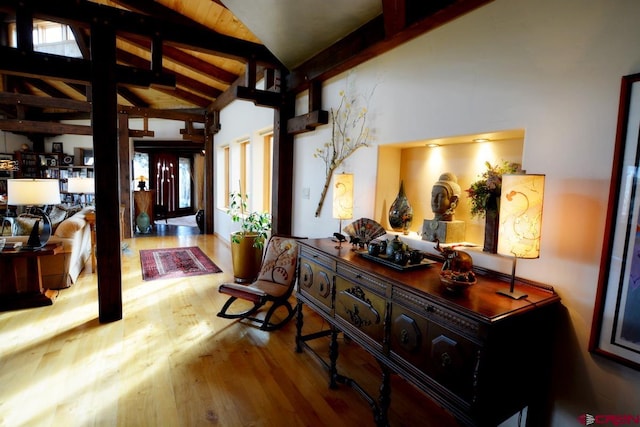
175 262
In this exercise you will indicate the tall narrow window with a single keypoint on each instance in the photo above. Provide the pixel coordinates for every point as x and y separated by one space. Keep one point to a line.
225 176
245 167
267 177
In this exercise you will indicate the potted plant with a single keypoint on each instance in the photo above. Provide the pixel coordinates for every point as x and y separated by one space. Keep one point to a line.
484 195
247 243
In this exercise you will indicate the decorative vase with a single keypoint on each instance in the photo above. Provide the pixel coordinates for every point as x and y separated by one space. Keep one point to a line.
246 259
200 220
491 224
143 222
401 212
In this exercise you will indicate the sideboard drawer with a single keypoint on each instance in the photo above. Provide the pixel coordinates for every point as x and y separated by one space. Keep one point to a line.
443 355
318 257
316 282
361 308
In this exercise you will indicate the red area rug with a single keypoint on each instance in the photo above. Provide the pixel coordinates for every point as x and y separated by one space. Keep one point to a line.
175 262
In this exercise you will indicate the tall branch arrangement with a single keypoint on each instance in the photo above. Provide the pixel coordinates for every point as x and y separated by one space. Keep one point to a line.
349 133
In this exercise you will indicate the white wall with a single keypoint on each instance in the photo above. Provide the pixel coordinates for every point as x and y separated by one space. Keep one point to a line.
241 120
551 68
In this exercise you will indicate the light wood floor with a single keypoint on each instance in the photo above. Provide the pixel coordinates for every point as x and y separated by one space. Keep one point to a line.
171 362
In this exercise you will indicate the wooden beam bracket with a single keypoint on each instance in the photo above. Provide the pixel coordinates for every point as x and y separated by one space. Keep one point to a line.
262 98
307 122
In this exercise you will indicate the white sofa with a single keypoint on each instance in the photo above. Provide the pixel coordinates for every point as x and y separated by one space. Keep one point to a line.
62 270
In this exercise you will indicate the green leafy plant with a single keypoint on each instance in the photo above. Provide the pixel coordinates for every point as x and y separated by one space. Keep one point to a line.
251 223
488 186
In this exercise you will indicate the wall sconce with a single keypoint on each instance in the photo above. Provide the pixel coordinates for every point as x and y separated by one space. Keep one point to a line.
520 221
33 193
342 200
81 186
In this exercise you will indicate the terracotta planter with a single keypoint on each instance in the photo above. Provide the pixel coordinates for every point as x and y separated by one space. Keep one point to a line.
246 259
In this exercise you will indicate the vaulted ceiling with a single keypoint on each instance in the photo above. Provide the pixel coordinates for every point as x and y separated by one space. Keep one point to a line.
205 47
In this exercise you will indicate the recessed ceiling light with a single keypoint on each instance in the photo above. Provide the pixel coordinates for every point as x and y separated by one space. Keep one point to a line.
481 140
432 145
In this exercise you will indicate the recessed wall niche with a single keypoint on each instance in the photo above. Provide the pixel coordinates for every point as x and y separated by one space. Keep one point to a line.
419 166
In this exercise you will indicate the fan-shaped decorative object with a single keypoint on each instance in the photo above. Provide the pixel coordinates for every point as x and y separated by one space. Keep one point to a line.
364 229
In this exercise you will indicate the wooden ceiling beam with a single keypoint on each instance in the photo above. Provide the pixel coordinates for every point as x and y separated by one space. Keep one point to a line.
370 41
43 102
53 128
187 60
73 70
395 16
128 94
192 36
181 80
162 114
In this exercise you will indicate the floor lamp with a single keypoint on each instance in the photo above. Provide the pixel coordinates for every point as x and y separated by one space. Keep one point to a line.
342 201
33 193
520 221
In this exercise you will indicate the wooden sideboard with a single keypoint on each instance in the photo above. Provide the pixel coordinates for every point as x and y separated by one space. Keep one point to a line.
480 355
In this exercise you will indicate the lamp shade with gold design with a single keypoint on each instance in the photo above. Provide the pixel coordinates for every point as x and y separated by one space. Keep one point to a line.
521 202
343 196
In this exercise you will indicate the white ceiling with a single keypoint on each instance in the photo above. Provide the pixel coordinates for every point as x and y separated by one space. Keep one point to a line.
296 30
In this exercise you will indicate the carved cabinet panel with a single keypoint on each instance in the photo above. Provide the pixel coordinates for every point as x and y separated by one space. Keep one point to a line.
361 308
317 282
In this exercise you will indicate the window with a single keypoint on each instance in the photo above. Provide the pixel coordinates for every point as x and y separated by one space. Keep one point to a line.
49 37
140 167
267 172
226 170
245 168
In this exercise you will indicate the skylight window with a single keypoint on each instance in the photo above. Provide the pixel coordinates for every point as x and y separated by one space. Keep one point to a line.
49 37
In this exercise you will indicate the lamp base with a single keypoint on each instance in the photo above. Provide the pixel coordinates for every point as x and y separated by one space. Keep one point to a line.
513 294
37 238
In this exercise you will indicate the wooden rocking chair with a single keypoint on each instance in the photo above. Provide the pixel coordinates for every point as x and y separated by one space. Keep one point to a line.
274 285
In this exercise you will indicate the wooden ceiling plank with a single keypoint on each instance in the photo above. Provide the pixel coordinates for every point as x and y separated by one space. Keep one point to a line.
47 88
128 94
187 96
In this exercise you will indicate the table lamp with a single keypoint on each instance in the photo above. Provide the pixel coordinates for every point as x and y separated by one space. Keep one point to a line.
34 193
81 186
342 201
520 221
142 182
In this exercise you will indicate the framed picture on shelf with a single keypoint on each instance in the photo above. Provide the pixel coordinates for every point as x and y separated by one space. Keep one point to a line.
88 157
616 321
56 147
6 174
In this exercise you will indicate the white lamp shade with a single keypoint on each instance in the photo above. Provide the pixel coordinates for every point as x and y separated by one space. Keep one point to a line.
521 215
33 192
343 196
81 185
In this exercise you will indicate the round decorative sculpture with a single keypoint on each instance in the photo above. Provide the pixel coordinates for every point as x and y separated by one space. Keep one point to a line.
401 212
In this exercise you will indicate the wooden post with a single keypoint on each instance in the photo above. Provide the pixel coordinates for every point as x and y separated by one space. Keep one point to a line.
105 146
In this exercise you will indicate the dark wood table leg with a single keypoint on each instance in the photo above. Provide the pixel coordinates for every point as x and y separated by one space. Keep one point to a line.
333 359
